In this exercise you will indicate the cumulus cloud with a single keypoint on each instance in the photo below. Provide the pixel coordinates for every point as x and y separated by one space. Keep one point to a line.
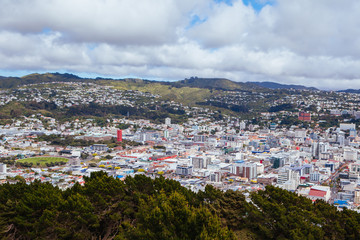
303 42
111 21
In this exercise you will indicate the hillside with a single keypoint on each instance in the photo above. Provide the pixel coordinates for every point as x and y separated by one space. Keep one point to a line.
136 84
273 85
218 94
185 94
142 208
129 83
214 83
350 91
13 82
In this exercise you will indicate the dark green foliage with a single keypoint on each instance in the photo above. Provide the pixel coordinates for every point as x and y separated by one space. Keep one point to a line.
282 107
71 141
290 120
142 208
105 208
97 111
280 214
232 107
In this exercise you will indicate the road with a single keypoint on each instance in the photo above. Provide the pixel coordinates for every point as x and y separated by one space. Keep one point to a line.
332 180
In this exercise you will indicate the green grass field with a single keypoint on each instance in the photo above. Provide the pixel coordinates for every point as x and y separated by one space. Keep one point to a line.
42 160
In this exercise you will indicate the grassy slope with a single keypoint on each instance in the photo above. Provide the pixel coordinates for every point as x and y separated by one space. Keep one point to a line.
219 83
186 95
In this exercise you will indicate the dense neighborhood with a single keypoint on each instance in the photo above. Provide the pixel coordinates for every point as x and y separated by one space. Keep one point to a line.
303 155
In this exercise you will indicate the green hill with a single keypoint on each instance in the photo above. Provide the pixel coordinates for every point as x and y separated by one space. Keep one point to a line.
128 83
214 83
209 92
13 82
184 94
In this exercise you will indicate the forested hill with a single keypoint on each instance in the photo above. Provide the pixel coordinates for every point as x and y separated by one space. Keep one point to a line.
142 208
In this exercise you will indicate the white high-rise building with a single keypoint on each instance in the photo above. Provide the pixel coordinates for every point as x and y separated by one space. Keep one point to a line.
166 134
215 177
168 121
200 162
242 125
3 168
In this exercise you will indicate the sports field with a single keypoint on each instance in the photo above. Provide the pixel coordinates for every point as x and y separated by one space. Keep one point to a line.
43 160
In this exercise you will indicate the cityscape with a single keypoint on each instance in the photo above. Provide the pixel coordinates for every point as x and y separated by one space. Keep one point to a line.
232 153
180 119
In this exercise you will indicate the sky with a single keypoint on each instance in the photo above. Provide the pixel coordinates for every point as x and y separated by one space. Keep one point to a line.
307 42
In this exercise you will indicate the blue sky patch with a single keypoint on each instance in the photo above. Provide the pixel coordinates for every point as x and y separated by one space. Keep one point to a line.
257 5
195 20
228 2
46 31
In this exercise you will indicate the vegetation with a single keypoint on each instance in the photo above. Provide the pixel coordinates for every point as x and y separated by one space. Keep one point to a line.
282 107
72 141
142 208
13 82
91 110
232 107
243 100
222 96
214 83
42 161
183 94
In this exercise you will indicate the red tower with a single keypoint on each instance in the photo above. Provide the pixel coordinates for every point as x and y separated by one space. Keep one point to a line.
119 135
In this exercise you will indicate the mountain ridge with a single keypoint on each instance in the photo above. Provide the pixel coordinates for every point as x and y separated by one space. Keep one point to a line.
274 85
193 82
350 91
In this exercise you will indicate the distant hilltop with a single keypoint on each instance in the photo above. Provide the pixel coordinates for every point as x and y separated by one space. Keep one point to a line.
350 91
273 85
195 82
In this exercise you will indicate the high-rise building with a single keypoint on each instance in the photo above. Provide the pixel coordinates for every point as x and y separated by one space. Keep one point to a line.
246 170
168 121
3 168
119 135
288 179
353 133
200 162
184 170
166 134
357 197
215 177
314 176
242 125
200 138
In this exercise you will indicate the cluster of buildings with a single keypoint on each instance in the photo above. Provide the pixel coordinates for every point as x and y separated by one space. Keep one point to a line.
316 164
228 152
67 94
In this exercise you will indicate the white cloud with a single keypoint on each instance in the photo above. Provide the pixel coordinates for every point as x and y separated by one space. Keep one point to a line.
306 42
111 21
